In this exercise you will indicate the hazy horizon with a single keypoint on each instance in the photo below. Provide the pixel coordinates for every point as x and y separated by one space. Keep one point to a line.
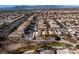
6 6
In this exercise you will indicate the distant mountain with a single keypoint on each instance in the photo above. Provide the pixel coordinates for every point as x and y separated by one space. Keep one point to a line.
46 6
23 7
7 8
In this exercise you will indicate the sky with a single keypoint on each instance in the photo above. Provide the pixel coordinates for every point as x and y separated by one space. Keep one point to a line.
37 2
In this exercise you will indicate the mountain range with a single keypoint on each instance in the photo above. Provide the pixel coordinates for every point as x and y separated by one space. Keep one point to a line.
22 7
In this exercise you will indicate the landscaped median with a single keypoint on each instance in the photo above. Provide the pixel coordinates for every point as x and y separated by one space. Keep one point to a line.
42 46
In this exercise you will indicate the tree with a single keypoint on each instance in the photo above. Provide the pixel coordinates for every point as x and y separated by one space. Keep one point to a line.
77 46
57 37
